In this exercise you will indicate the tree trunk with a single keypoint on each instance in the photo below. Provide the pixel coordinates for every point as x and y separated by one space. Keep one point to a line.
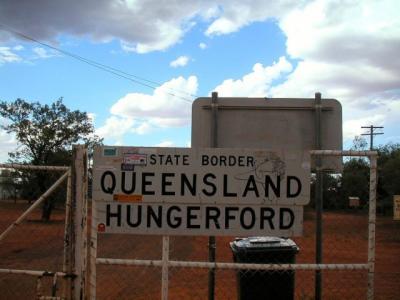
47 209
48 205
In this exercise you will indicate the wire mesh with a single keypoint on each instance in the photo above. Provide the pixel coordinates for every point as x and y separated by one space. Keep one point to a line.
345 241
32 245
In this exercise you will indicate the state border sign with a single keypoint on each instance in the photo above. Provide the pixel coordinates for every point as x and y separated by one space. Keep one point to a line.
206 191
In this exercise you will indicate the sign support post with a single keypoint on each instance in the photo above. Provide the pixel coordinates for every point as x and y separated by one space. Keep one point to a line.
211 239
318 197
164 275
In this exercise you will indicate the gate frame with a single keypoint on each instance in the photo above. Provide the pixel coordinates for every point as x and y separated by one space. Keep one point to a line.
67 233
165 263
74 268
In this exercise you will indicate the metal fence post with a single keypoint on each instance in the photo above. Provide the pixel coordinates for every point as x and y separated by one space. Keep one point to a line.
67 267
79 205
371 226
93 251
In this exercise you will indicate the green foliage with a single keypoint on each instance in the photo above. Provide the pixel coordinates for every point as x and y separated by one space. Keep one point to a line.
44 130
388 175
355 180
45 134
331 191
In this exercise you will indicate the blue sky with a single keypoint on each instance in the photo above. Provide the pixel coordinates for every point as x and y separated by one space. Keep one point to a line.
346 50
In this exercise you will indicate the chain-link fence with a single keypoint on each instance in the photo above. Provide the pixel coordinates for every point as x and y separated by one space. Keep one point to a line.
32 245
345 242
32 263
131 266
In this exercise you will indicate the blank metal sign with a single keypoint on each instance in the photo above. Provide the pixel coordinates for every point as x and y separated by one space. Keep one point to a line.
270 123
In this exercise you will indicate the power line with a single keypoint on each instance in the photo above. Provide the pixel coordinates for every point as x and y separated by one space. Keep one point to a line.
371 134
106 68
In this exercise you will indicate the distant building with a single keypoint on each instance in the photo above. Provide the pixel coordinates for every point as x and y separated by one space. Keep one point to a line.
354 202
8 185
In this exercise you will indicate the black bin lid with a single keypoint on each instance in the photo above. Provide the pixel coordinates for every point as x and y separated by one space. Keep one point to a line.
268 243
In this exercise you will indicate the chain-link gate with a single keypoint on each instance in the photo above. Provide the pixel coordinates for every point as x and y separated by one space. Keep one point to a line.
45 260
177 267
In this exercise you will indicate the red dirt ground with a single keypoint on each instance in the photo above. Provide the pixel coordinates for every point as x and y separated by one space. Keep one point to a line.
38 246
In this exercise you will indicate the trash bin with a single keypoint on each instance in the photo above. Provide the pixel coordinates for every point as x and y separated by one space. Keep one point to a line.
265 284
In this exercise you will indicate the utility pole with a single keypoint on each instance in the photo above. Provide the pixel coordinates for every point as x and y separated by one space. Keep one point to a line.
371 134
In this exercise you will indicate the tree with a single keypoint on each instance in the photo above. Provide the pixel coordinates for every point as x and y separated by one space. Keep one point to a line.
45 134
331 191
355 176
359 143
355 180
388 175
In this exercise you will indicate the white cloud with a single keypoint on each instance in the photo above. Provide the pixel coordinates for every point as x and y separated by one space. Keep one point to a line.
257 83
348 52
143 128
166 144
170 104
43 53
361 31
141 25
344 81
168 35
202 46
237 14
136 113
18 48
115 128
181 61
352 127
8 143
8 56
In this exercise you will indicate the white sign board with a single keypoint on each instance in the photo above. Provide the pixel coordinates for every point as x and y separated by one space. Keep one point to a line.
200 191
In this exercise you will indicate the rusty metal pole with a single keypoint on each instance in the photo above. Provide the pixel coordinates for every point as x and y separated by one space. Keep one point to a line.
211 239
318 196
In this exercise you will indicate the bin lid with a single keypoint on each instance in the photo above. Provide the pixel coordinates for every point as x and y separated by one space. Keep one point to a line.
264 242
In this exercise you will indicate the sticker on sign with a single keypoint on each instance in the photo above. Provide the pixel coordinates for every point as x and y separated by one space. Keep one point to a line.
135 159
